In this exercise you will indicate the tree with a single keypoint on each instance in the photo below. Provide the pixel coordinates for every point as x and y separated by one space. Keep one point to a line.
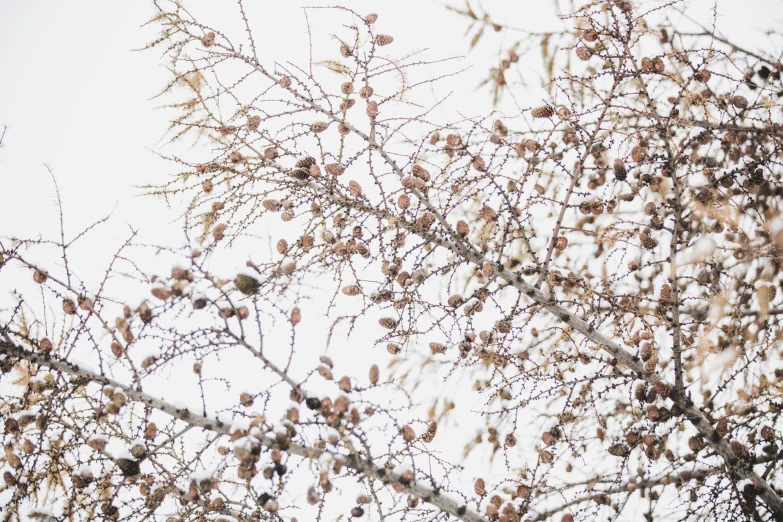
601 268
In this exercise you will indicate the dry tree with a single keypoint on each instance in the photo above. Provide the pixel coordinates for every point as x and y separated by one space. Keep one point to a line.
602 266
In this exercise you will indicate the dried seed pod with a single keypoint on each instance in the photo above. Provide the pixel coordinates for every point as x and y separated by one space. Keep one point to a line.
285 82
488 213
437 348
372 109
371 18
272 205
404 201
393 348
638 154
128 467
453 141
407 433
420 172
545 111
352 290
647 65
296 316
246 284
270 153
40 277
739 102
429 435
658 65
703 75
426 220
462 228
412 182
619 450
620 172
479 487
651 365
584 53
319 126
208 40
69 307
479 164
235 157
641 392
346 88
387 322
383 39
561 243
345 51
374 374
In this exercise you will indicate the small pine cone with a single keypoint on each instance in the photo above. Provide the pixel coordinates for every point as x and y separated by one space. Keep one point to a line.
334 169
319 126
666 294
561 243
365 92
564 113
374 374
285 82
545 111
722 428
270 153
504 326
640 392
638 154
387 322
344 106
315 171
426 220
429 435
407 433
343 129
282 247
620 172
352 290
218 206
346 88
219 231
129 467
345 385
739 449
488 213
647 65
619 450
345 51
462 228
404 201
663 389
773 292
510 440
584 53
253 122
207 186
161 293
355 189
40 277
646 351
453 141
235 157
456 301
487 269
658 65
383 39
412 182
437 348
479 487
739 102
371 18
393 348
372 109
703 76
208 40
272 205
651 365
420 172
288 215
116 349
69 307
296 316
652 395
479 164
696 444
45 345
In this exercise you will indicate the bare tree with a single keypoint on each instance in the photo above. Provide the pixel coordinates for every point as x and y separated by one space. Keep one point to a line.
603 266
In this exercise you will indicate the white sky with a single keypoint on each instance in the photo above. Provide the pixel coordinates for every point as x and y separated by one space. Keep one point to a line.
76 96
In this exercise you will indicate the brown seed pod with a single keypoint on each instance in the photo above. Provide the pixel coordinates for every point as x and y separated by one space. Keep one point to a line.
45 345
412 182
646 351
372 109
272 205
420 172
479 164
658 65
429 435
545 111
354 188
315 171
383 39
40 277
365 92
387 322
640 392
437 348
638 154
703 75
371 18
285 82
208 40
346 88
739 102
334 169
352 290
374 374
651 365
345 51
207 186
404 201
407 433
128 467
647 65
282 247
462 228
620 172
270 153
235 157
319 126
69 307
479 487
253 122
488 213
584 53
426 220
561 243
296 316
393 348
